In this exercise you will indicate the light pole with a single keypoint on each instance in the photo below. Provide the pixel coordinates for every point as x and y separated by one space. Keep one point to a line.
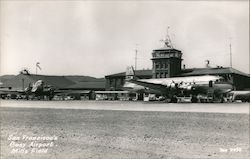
136 52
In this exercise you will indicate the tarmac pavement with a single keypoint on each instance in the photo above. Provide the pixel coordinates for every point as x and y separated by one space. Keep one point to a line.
34 129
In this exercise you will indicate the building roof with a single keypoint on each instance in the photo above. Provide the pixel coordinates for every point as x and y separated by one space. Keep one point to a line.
58 82
137 73
100 85
55 81
80 78
211 71
165 48
189 72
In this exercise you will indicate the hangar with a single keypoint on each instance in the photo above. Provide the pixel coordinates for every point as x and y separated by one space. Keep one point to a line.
21 81
79 87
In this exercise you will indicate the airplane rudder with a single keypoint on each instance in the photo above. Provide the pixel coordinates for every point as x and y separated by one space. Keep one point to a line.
130 73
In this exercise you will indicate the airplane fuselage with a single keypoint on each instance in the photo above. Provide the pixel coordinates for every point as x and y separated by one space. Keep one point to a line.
178 85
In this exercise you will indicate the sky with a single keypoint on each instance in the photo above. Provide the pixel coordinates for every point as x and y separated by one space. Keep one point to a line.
96 38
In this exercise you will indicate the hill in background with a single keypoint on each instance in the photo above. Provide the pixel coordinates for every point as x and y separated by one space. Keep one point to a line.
68 82
5 78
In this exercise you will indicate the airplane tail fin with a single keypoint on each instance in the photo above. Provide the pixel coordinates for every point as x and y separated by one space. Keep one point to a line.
130 73
38 85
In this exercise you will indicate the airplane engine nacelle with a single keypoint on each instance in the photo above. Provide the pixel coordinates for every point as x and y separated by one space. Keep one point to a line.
172 85
190 88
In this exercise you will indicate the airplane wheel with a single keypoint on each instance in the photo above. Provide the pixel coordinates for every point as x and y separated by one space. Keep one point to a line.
173 100
222 100
194 99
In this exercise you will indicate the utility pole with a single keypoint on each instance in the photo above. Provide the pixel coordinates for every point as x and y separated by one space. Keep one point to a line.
136 52
230 49
168 37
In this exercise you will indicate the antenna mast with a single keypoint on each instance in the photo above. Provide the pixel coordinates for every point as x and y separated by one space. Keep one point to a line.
230 49
167 40
136 51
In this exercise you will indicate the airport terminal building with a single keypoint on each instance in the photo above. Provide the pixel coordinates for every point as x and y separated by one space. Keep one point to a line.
167 62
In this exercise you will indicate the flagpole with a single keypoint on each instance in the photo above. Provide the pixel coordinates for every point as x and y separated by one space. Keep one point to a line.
37 66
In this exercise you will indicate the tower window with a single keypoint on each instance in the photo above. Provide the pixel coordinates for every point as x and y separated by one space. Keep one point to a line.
162 75
161 65
166 65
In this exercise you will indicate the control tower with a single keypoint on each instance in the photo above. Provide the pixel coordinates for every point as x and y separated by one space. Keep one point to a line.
166 60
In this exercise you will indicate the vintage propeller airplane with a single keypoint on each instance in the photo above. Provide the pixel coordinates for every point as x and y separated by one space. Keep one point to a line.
173 87
38 90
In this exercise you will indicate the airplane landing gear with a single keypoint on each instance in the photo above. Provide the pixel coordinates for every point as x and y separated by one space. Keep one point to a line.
173 99
194 99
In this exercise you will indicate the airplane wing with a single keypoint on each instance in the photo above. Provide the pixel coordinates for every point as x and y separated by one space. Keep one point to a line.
149 85
163 86
66 92
4 91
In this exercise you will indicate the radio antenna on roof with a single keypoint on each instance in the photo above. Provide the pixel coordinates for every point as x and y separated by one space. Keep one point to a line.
136 52
167 40
230 49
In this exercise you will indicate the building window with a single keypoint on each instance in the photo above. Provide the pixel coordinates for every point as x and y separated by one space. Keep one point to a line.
162 75
166 65
110 82
158 65
166 74
161 64
157 75
122 81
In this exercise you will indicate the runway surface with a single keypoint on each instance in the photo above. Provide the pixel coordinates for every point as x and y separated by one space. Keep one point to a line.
132 106
104 129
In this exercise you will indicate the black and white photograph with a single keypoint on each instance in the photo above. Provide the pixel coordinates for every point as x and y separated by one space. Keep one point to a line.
124 79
